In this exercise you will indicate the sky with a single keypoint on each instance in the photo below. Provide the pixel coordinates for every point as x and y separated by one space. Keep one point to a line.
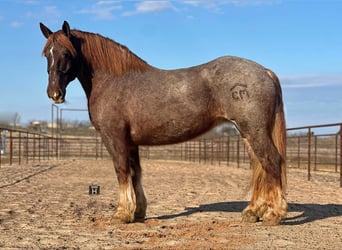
301 41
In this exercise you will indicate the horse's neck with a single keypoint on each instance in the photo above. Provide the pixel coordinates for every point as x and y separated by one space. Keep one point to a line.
91 76
86 82
102 56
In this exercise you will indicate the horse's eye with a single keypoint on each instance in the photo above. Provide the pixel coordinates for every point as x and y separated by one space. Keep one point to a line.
67 56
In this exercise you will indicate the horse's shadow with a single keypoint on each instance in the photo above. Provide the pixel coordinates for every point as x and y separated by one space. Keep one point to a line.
307 212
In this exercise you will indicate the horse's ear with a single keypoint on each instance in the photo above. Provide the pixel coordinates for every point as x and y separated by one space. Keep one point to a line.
66 29
45 30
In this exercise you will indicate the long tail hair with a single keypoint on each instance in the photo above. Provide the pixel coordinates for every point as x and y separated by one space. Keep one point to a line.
279 129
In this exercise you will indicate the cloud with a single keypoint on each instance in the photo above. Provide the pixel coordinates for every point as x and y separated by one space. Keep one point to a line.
52 11
16 24
215 4
31 2
102 10
311 81
49 13
150 7
107 2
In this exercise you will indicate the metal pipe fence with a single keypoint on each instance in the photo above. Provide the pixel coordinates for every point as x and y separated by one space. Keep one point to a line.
21 146
315 151
225 150
306 149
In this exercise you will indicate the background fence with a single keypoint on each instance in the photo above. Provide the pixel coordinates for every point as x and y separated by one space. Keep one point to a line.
315 148
21 146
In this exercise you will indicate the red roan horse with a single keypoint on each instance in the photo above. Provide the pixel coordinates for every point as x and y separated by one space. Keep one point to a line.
132 103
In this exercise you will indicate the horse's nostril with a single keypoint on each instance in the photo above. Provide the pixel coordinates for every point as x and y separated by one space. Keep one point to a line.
56 95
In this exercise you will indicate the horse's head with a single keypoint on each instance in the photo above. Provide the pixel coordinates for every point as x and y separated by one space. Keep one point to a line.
63 65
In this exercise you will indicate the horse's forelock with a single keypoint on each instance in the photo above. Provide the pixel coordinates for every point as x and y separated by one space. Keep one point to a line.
62 40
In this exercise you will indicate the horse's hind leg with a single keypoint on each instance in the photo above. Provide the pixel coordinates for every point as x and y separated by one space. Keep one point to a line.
267 202
141 203
249 214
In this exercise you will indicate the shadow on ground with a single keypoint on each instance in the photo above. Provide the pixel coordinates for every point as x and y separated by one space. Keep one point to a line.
308 212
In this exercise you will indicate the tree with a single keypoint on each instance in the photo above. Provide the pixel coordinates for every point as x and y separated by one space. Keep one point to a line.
9 119
16 119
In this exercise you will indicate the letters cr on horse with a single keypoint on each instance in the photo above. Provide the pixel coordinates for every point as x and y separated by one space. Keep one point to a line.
132 103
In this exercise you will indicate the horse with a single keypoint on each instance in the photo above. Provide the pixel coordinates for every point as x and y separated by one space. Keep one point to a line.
133 103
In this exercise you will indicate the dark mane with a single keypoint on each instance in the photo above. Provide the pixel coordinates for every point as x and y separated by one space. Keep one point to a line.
105 54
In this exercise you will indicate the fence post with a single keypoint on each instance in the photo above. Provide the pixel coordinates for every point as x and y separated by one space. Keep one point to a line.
341 155
205 150
200 150
212 151
19 148
11 147
96 146
1 147
219 150
228 149
39 146
298 152
336 151
315 156
309 153
238 151
34 147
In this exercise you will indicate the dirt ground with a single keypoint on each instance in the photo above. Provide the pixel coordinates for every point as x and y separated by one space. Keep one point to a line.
46 205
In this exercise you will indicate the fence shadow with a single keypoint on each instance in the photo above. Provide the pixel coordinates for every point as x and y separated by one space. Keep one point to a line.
308 212
29 176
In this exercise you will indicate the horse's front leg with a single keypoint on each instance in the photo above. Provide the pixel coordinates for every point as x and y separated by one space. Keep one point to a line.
127 199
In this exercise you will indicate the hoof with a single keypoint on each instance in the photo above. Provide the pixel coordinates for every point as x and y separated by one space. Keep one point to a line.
119 217
249 217
118 221
271 219
140 217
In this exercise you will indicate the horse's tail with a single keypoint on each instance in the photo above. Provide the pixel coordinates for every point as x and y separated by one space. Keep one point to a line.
279 128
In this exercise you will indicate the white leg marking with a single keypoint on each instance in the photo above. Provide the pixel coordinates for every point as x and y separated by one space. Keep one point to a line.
127 201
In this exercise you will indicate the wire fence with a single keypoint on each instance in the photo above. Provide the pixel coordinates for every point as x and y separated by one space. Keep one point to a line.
306 149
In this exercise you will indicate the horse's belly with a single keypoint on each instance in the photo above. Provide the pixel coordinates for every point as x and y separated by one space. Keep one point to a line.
170 131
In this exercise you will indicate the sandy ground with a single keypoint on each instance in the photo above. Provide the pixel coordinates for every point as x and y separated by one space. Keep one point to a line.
190 206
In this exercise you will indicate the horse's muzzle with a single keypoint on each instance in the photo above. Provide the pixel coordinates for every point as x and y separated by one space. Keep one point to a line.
57 96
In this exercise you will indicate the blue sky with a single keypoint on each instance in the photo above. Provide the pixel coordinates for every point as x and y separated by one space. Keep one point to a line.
299 40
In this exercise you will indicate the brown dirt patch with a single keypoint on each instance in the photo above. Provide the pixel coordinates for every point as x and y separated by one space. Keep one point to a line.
190 206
